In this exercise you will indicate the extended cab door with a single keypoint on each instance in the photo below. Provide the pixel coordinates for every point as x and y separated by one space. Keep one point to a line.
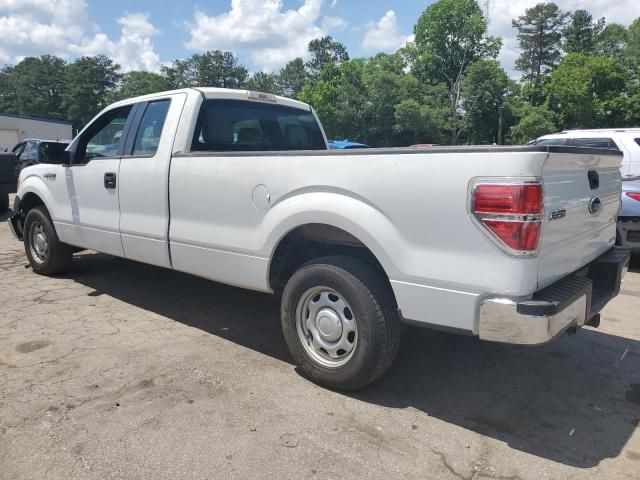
144 180
87 195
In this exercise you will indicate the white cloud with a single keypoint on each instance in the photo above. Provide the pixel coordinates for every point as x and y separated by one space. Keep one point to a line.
501 12
63 28
384 34
334 24
262 29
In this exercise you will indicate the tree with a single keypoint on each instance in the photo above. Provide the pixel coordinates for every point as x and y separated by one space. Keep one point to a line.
585 91
292 78
539 36
582 32
449 36
535 121
134 84
88 80
34 87
211 69
486 90
264 82
612 41
324 51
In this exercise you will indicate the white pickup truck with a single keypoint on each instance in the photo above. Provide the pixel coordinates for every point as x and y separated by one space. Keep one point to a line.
512 244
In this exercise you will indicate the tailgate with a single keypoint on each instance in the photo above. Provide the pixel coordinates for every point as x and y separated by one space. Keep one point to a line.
581 201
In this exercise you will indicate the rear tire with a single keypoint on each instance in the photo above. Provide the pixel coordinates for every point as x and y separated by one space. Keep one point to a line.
4 203
340 322
47 255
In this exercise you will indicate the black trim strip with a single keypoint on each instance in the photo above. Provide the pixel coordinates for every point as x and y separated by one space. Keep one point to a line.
406 151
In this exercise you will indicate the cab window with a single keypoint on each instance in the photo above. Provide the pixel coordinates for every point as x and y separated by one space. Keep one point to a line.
606 143
150 129
235 125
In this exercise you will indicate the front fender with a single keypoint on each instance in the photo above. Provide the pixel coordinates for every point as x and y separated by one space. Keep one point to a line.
33 184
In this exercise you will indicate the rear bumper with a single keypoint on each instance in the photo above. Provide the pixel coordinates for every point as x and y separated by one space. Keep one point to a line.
571 301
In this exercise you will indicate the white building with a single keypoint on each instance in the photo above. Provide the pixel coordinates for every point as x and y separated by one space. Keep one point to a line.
15 128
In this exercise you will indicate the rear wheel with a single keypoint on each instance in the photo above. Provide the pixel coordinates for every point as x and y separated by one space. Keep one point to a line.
47 255
340 322
4 203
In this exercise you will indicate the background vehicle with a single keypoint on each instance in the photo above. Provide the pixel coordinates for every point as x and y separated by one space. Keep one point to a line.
240 187
8 179
346 144
625 140
629 217
33 151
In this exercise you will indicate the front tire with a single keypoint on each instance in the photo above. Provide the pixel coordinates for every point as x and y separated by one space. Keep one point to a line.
340 322
47 255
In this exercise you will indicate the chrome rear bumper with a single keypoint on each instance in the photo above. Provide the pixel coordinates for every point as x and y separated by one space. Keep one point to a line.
572 301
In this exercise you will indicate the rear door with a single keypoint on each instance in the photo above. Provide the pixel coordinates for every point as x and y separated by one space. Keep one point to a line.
144 180
582 198
87 193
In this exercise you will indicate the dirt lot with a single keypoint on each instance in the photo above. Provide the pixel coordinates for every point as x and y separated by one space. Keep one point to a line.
122 370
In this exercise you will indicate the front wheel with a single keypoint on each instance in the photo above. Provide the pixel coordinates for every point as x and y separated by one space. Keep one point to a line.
47 255
340 322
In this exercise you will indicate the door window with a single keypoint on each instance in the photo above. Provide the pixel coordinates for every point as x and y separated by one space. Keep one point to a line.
150 130
104 137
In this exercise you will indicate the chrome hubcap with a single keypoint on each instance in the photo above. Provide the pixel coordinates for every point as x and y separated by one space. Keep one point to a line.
39 244
326 326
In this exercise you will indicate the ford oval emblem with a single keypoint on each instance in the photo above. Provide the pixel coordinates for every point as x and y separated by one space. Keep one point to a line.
595 204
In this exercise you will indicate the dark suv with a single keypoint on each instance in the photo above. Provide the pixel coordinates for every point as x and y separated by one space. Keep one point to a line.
33 151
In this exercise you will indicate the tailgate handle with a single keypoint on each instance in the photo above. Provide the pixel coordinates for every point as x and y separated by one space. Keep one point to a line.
594 179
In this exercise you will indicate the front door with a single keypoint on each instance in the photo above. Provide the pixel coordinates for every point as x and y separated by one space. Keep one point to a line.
91 185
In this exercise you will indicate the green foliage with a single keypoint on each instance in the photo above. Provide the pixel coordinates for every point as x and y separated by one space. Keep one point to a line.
325 51
581 34
451 35
88 81
264 82
34 87
292 78
539 37
535 121
211 69
134 84
486 91
583 89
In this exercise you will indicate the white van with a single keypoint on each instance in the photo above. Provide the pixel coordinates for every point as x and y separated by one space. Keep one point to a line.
626 140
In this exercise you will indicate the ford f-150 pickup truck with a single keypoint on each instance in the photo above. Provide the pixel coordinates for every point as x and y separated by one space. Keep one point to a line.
512 244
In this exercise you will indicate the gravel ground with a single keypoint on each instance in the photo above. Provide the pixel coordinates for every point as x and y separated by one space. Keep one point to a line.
122 370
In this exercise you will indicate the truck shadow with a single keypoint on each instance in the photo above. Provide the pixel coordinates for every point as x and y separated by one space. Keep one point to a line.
572 401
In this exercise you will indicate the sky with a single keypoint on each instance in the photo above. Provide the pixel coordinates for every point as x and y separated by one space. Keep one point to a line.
264 34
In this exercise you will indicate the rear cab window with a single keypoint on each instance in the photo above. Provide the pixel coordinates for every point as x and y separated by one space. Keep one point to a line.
637 140
606 143
240 125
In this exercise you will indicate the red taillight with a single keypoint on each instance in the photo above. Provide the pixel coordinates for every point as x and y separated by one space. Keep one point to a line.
511 213
634 195
521 199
